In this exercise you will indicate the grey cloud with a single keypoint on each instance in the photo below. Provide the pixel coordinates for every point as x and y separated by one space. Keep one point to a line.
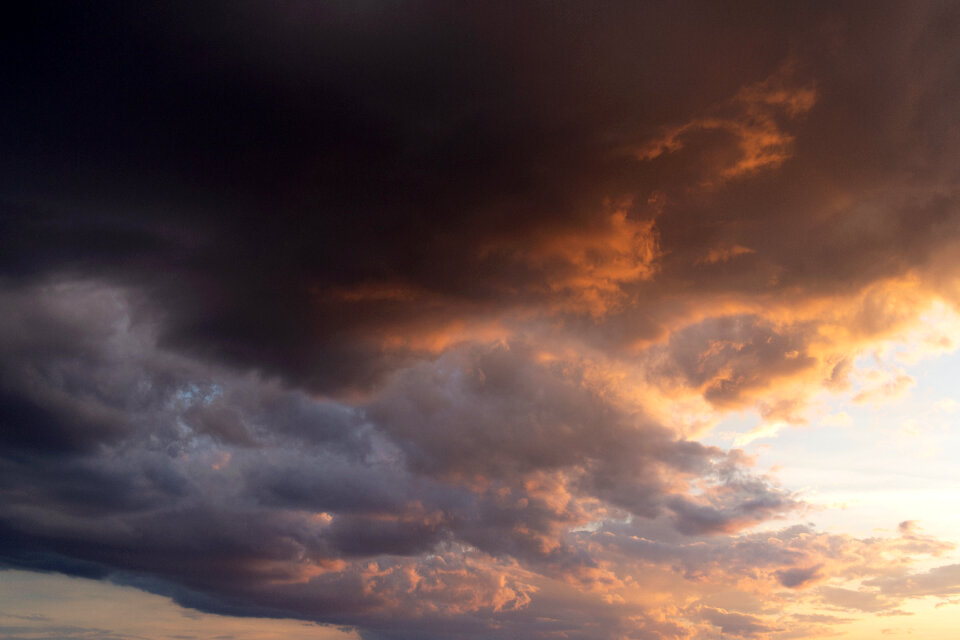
820 618
738 500
496 411
698 557
320 481
857 600
939 581
736 624
224 488
731 356
698 519
799 576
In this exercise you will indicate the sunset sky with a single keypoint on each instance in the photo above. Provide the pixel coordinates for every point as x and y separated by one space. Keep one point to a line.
388 320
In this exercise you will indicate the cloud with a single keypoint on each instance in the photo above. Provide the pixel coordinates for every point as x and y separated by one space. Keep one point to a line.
457 489
407 318
724 253
749 123
727 357
451 491
519 203
889 389
798 576
735 624
585 270
940 581
868 601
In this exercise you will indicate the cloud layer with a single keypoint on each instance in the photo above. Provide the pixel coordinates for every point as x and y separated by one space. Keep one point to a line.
408 317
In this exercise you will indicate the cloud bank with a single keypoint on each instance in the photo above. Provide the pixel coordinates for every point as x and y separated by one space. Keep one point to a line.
408 317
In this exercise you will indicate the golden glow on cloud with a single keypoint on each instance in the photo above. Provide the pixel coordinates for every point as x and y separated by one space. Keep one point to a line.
751 119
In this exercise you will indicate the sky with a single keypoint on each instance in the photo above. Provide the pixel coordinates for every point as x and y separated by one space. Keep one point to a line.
398 320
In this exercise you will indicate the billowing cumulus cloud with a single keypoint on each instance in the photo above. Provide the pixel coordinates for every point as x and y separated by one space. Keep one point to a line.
466 486
408 317
232 492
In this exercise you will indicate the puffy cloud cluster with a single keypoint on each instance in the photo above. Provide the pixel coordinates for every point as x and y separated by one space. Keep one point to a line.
446 502
453 490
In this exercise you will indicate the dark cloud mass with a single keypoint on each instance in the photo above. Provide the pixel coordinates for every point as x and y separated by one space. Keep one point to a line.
373 313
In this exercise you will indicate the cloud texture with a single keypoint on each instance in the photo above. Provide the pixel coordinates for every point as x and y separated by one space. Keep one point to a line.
408 316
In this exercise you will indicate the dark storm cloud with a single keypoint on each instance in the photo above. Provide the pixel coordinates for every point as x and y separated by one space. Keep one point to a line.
241 158
267 156
288 293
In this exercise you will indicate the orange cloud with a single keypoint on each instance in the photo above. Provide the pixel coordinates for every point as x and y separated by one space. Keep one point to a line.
585 270
723 254
751 120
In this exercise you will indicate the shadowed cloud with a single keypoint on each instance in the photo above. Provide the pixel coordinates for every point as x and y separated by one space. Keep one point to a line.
408 316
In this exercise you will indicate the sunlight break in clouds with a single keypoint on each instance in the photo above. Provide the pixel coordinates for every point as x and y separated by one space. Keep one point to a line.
467 322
